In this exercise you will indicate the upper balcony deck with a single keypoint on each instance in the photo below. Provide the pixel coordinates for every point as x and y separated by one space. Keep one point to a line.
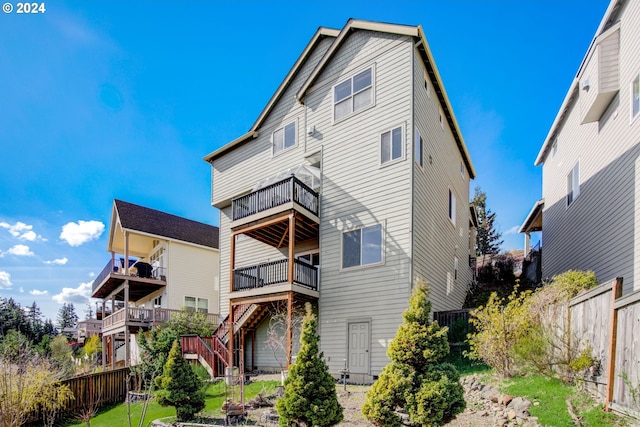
142 281
289 193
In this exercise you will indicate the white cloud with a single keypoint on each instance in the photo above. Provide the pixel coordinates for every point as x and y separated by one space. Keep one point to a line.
38 293
59 261
92 274
17 250
5 280
22 231
512 230
75 234
79 295
21 290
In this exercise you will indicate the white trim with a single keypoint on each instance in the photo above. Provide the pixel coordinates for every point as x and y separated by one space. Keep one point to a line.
351 75
382 246
402 145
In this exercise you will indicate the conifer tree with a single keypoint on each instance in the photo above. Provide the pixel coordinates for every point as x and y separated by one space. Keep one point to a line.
310 397
416 379
179 386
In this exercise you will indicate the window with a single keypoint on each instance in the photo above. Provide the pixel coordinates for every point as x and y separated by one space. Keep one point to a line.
284 138
455 268
452 207
362 246
554 148
573 184
441 118
196 304
353 94
391 145
418 148
635 97
462 169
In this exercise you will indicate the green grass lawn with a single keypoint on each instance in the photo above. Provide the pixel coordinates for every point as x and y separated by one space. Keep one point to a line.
117 415
551 395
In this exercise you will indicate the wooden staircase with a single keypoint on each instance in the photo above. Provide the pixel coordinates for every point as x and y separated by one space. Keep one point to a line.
213 352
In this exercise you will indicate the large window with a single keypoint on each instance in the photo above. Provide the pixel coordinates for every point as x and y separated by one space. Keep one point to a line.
196 304
353 94
573 184
452 207
362 246
391 145
419 148
635 97
284 138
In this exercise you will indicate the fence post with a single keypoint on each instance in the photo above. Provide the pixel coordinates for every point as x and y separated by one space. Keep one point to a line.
616 292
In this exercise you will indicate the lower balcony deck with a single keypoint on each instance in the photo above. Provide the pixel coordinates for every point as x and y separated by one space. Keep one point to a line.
272 279
134 319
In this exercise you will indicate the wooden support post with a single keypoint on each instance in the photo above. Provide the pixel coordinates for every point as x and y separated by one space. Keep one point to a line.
289 327
230 342
126 253
104 349
292 236
253 349
616 292
232 261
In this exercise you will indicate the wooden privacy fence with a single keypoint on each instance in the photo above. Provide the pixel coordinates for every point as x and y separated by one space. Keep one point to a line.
96 390
609 323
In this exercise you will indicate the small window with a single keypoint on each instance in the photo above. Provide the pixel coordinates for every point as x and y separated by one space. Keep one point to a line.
573 184
452 207
353 94
391 145
554 148
635 97
419 149
455 268
284 138
462 169
362 246
196 304
441 119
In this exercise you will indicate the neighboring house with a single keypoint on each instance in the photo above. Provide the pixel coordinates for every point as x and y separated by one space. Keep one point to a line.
352 184
590 211
88 328
172 264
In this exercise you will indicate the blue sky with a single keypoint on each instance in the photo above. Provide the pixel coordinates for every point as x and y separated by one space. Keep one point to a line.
121 99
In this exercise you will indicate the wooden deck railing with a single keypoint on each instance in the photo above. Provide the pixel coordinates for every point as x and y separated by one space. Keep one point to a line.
279 193
212 350
144 317
275 272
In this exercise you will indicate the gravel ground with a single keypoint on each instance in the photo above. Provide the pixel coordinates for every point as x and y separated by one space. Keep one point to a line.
353 399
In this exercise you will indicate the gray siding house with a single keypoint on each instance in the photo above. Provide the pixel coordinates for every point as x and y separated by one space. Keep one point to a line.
352 184
589 213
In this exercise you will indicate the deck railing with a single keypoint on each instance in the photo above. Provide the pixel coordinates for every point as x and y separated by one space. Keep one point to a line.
115 267
275 272
145 317
279 193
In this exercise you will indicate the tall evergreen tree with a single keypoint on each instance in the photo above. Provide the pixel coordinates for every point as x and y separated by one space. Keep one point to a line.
416 379
309 391
179 386
67 317
487 238
34 320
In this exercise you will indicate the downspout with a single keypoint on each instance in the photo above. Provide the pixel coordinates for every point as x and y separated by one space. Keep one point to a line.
412 162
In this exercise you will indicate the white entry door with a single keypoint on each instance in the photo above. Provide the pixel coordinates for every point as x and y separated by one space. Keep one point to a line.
359 348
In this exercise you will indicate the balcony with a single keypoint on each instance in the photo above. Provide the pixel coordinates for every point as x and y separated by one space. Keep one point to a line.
290 193
142 282
145 318
273 277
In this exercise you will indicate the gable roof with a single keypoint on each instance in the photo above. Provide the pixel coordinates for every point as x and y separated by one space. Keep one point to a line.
150 221
321 34
340 36
611 16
